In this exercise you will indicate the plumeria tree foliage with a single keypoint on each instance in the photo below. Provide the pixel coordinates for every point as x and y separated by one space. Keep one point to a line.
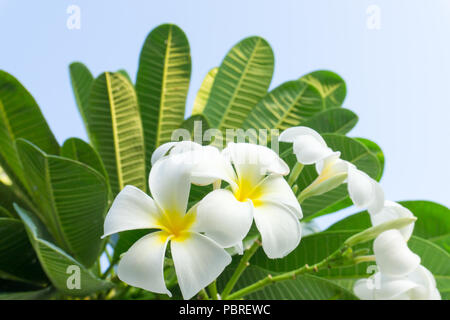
226 213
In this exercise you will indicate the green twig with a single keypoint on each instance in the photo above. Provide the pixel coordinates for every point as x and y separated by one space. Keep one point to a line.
243 264
327 262
212 288
295 173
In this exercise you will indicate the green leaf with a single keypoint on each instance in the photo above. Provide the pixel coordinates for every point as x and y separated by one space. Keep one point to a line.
117 132
330 86
20 117
82 80
335 120
285 106
72 199
18 261
77 149
205 90
196 125
352 151
36 294
241 81
162 84
125 74
56 262
376 150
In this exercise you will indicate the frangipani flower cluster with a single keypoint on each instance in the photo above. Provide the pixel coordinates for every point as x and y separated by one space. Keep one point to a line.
400 274
249 186
256 191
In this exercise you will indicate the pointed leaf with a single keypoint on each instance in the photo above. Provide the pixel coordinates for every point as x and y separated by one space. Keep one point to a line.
330 86
81 79
241 81
77 149
56 262
335 120
162 84
20 117
116 131
72 199
203 93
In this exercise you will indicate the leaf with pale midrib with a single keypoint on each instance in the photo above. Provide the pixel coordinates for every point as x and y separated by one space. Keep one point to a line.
162 84
20 117
72 199
55 261
116 131
241 81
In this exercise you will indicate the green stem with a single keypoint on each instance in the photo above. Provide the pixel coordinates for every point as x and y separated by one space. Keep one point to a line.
327 262
203 295
212 288
243 264
295 173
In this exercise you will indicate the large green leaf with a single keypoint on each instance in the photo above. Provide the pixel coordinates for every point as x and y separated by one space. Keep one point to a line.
77 149
205 90
285 106
352 151
71 197
8 292
241 81
56 262
116 131
20 117
330 85
17 259
335 120
162 84
433 222
82 80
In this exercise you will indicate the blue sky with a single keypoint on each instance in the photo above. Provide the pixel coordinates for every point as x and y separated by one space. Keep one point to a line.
397 76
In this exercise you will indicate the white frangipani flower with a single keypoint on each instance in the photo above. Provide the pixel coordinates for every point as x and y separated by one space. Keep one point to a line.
257 191
310 148
198 258
392 254
417 285
391 211
400 276
308 145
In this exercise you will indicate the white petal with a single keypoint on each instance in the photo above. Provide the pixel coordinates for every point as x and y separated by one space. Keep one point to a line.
175 148
211 166
252 161
170 183
289 135
309 150
276 188
393 255
198 261
426 289
364 191
392 211
224 219
364 289
132 209
395 288
279 227
143 264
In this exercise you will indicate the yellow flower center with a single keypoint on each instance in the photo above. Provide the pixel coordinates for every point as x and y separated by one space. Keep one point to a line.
247 190
176 225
